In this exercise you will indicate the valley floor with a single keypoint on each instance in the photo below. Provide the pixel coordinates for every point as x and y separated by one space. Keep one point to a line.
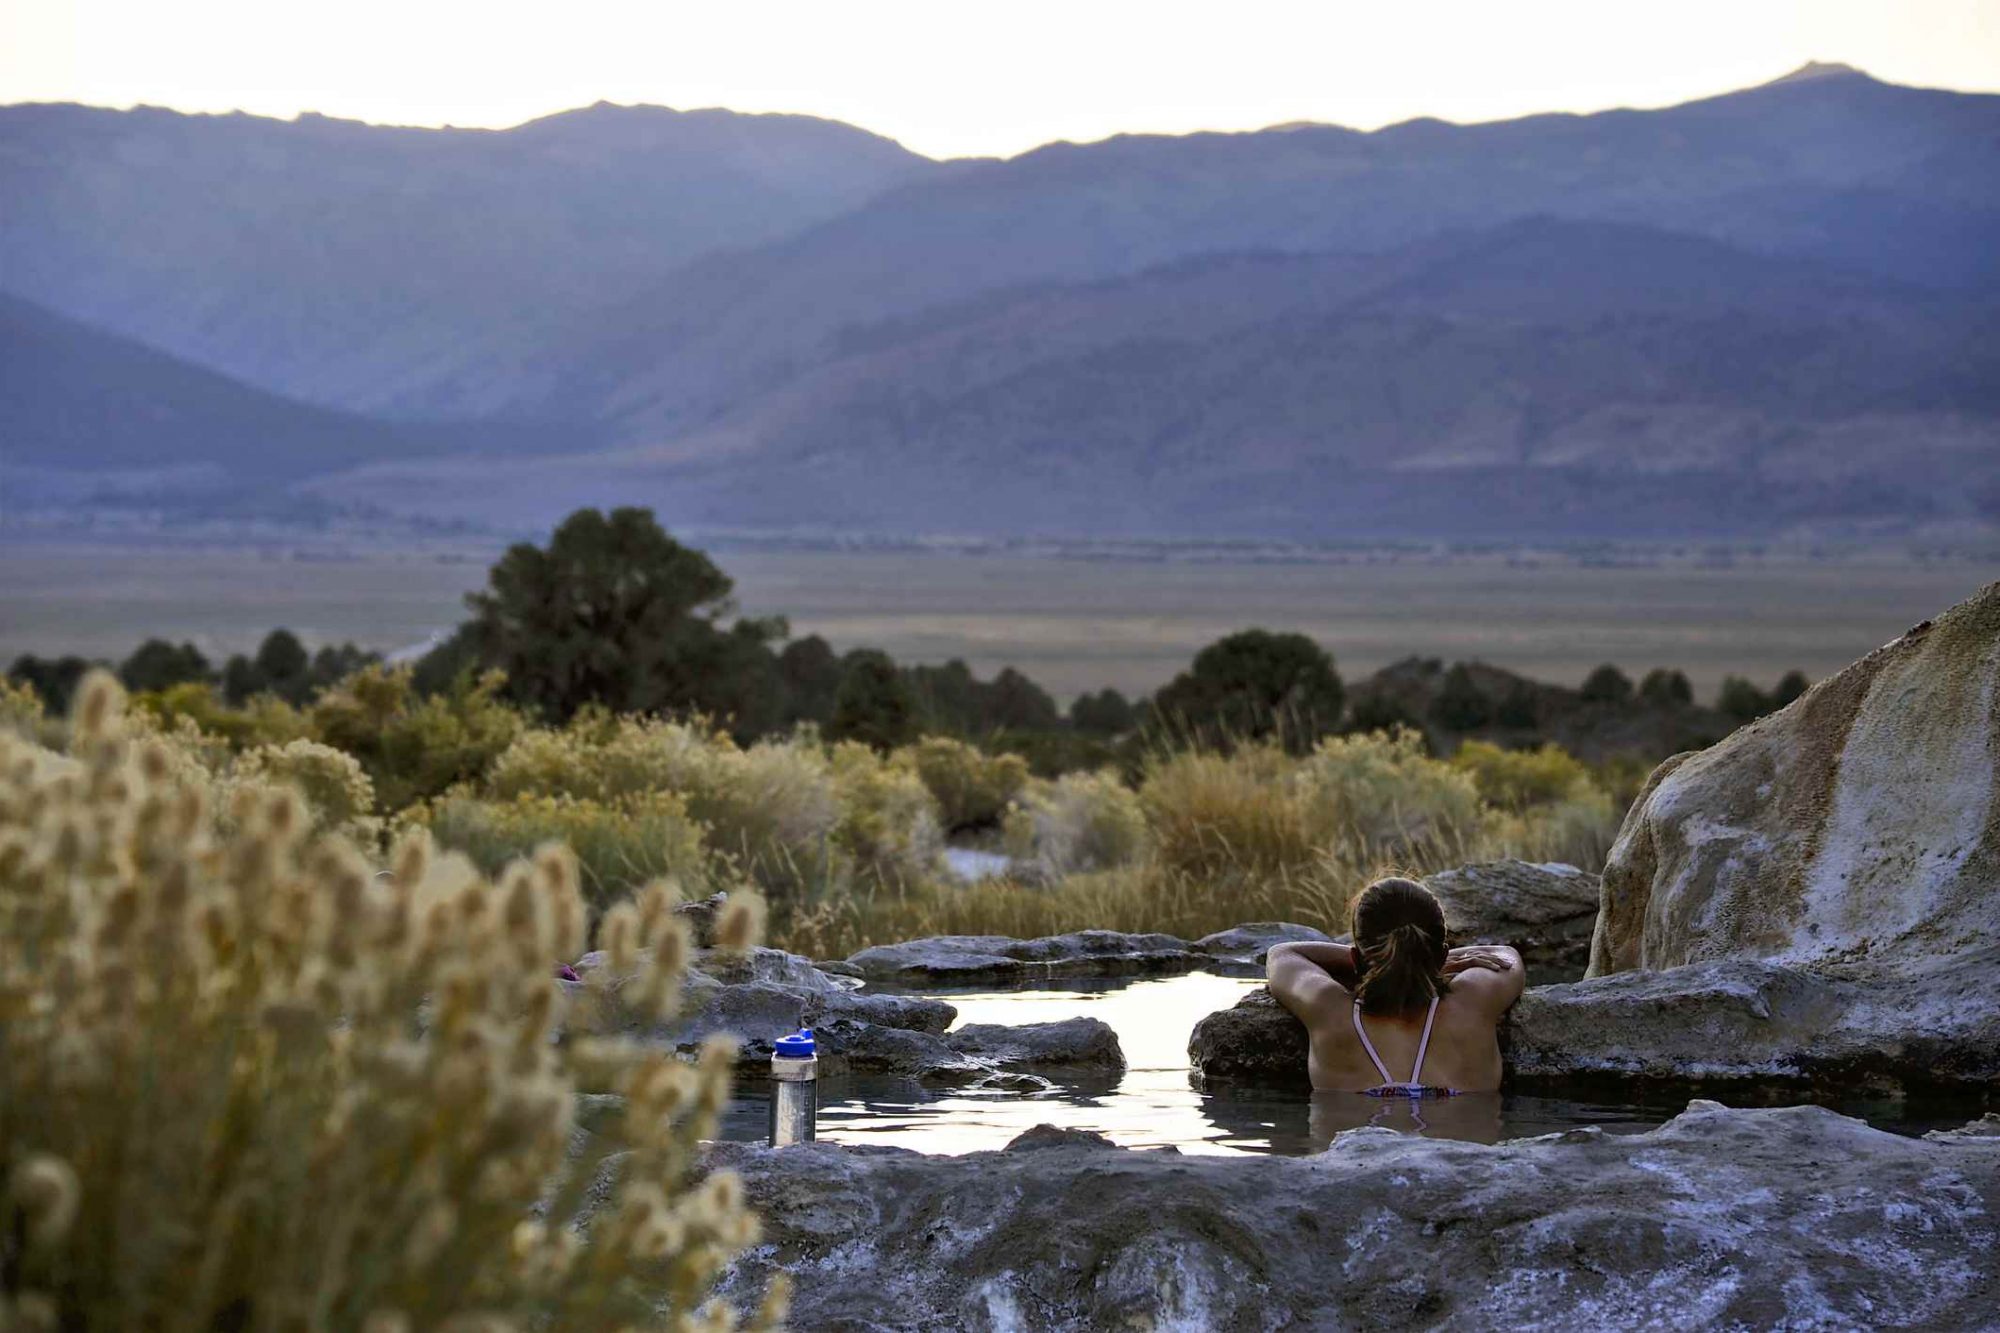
1072 624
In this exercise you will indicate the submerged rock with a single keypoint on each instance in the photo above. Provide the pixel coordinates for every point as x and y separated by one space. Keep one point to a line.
1754 1219
958 960
1545 911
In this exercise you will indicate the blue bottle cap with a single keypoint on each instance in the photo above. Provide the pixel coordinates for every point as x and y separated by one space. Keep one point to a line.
798 1046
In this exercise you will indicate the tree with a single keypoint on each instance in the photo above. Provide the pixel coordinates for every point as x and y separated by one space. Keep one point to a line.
1519 708
1461 705
810 672
1741 700
874 704
613 611
283 667
1106 713
157 665
1607 685
240 679
1255 685
53 678
1789 687
1378 712
1015 703
1665 687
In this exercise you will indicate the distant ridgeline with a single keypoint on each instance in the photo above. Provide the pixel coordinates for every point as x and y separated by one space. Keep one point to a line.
1770 313
615 617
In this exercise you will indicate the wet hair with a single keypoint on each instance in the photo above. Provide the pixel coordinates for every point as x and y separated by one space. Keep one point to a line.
1399 936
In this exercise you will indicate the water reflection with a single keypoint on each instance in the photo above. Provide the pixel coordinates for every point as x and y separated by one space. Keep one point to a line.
1153 1104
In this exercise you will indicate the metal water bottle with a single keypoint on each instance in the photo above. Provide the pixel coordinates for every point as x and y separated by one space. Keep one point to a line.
794 1089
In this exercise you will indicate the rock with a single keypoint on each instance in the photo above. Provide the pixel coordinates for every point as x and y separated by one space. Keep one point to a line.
960 960
989 1055
1860 821
1241 949
1255 1042
1720 1219
1986 1127
1052 1136
1844 855
757 997
1072 1043
701 916
1546 912
1912 1028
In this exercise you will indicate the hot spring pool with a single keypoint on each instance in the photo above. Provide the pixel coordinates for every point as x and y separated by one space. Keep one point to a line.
1153 1104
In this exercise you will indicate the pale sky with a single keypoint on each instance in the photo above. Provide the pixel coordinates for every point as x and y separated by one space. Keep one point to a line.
964 77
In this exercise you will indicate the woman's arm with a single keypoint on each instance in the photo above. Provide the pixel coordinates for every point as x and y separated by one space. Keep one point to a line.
1493 974
1336 960
1309 979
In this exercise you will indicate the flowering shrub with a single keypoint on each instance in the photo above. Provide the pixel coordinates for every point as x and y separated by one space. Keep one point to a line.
413 746
249 1086
972 789
888 823
338 795
1385 796
1517 779
619 847
1079 822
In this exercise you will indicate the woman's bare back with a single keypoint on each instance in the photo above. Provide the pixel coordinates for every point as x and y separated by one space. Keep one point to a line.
1463 1053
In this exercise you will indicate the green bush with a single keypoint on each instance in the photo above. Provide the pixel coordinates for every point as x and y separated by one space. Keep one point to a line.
261 720
1234 816
888 823
619 847
416 746
336 791
972 790
773 809
1516 779
1080 822
1383 795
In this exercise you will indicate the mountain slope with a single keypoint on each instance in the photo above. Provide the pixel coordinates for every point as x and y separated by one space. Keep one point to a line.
1545 376
77 400
345 263
1840 167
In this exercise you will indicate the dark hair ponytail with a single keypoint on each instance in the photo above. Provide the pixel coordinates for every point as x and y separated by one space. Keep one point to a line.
1399 934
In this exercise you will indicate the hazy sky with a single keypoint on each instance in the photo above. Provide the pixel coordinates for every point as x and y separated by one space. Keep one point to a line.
956 77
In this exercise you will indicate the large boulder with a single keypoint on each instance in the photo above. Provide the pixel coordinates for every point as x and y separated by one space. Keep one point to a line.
1862 821
966 960
1545 911
1720 1219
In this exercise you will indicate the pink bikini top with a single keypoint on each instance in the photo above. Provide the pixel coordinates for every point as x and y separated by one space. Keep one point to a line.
1415 1086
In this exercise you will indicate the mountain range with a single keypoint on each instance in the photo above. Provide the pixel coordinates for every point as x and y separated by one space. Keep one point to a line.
1767 313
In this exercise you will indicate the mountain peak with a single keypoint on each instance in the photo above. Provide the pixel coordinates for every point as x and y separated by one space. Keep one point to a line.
1819 69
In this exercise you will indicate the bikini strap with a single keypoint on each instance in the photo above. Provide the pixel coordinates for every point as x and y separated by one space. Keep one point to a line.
1369 1046
1417 1073
1423 1045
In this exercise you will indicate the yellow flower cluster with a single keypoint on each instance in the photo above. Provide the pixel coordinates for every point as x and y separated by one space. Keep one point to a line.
246 1083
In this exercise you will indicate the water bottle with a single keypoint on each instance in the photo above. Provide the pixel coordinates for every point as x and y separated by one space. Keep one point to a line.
794 1089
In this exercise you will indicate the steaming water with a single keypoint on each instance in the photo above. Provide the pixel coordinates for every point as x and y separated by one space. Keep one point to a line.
1154 1105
